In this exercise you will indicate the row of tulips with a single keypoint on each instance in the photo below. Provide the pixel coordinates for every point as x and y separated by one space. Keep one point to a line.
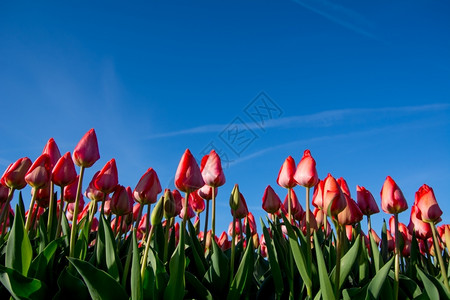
117 246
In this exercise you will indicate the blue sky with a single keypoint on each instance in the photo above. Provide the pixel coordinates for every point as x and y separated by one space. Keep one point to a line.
363 85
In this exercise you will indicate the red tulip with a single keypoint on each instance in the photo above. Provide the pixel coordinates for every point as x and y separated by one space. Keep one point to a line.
392 199
421 229
237 227
206 192
196 202
427 204
344 186
318 216
43 196
178 201
223 241
270 202
242 209
38 175
92 192
250 220
4 191
190 211
351 213
313 226
148 188
349 232
70 191
71 208
211 170
286 174
64 172
122 201
86 152
317 199
188 177
366 201
53 152
332 195
306 173
296 207
107 180
14 176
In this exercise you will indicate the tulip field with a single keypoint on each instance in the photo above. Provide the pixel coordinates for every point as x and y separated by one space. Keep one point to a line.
92 238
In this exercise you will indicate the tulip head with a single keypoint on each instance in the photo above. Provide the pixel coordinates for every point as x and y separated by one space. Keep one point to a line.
108 178
53 152
188 177
306 173
286 174
157 212
211 169
333 199
38 175
64 172
86 152
366 201
148 188
92 192
14 176
197 203
351 213
170 207
392 199
270 202
427 204
206 192
122 201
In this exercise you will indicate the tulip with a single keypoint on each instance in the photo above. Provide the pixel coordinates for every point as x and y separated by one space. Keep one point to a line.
92 192
366 203
148 188
223 241
317 199
122 201
39 173
427 204
296 208
250 221
344 186
178 201
313 223
196 202
157 212
270 202
52 150
351 213
306 173
14 176
64 172
211 170
107 180
319 217
4 191
392 199
286 174
188 211
333 199
70 191
421 229
170 209
206 192
86 152
188 177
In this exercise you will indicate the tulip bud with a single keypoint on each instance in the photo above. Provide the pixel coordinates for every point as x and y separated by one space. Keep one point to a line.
211 170
148 188
14 176
392 199
344 186
427 204
53 152
250 220
317 199
86 152
170 208
196 202
64 172
366 201
188 177
351 214
242 209
38 175
333 199
157 212
178 201
286 174
235 197
270 202
306 173
108 178
122 201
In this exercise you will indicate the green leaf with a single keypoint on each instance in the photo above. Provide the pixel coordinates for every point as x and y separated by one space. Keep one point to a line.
273 261
100 284
136 281
197 251
18 250
218 273
243 275
81 247
177 265
378 280
384 243
160 276
347 262
21 287
110 250
431 290
376 255
197 288
325 283
42 263
70 287
299 256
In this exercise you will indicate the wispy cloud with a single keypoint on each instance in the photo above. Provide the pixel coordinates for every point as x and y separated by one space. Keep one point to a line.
320 119
340 15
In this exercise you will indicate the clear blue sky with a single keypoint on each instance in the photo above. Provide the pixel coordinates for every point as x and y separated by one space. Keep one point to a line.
364 86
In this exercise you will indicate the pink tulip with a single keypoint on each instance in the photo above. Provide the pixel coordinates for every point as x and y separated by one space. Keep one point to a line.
392 199
427 204
211 170
70 191
86 152
92 192
344 186
14 176
196 202
53 152
270 202
206 192
64 172
296 207
122 201
366 201
188 177
148 188
286 174
333 196
351 213
108 178
317 199
38 175
306 173
421 229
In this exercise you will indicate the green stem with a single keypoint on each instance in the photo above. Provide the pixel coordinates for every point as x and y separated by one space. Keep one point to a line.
126 269
147 247
213 217
339 231
289 206
369 224
61 210
30 210
138 219
166 238
438 254
4 216
206 224
147 220
233 248
308 240
397 258
73 232
51 209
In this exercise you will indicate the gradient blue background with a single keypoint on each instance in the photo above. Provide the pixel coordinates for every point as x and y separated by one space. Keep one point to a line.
363 85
